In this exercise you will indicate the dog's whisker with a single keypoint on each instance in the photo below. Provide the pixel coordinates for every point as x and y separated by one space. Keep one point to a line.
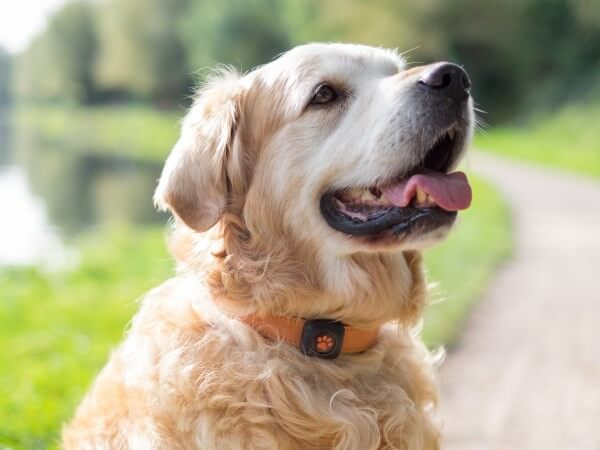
406 52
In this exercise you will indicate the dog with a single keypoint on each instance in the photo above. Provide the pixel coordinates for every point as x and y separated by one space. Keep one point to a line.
303 194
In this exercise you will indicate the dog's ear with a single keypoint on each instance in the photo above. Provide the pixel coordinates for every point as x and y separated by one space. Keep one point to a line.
193 183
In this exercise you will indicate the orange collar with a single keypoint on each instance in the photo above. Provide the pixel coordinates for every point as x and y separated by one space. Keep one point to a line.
322 338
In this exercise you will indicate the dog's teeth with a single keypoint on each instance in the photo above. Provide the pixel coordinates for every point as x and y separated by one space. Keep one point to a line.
353 195
367 196
421 196
382 201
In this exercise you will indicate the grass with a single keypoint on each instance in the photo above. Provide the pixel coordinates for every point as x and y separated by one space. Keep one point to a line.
569 139
131 132
58 327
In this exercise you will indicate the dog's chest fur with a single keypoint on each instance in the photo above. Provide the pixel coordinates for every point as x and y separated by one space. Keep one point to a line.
188 377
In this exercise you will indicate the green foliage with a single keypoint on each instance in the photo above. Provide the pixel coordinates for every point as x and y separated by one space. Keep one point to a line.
59 63
58 327
521 54
568 139
481 36
140 52
243 33
378 22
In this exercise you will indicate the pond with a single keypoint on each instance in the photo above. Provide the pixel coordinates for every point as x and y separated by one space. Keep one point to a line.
50 193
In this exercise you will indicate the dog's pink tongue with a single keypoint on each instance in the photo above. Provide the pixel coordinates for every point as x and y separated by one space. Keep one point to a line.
451 192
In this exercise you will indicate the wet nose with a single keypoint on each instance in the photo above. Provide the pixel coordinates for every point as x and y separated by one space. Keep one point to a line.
447 79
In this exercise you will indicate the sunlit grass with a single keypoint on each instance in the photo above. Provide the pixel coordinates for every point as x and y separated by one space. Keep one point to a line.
568 139
58 328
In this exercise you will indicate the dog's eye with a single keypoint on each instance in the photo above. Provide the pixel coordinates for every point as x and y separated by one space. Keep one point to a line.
323 95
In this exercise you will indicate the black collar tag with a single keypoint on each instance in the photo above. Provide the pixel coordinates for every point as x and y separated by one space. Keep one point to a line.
322 338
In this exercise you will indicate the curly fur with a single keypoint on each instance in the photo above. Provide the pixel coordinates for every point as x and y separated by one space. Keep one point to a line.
189 375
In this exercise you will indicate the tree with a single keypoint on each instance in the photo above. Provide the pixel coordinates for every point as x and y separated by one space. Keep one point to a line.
523 55
243 33
386 23
58 65
5 77
140 51
520 54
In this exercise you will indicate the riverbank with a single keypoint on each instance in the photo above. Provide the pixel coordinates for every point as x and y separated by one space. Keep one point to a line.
130 132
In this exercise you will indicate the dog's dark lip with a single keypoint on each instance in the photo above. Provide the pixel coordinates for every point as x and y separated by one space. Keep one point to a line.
394 220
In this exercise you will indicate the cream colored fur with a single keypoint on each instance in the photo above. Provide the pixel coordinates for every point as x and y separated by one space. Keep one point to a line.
244 182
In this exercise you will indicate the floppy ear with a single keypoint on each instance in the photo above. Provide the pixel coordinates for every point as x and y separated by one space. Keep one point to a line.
193 183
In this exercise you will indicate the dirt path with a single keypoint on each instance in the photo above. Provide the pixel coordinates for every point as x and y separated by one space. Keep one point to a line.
526 374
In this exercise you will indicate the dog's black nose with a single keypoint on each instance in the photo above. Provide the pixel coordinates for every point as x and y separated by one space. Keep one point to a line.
447 79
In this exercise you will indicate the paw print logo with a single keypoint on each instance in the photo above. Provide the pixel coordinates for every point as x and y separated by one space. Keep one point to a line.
325 343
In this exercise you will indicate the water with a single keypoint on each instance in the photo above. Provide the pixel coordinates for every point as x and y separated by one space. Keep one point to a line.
50 194
26 235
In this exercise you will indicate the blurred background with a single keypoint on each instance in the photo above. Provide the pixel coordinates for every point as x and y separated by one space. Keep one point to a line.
91 95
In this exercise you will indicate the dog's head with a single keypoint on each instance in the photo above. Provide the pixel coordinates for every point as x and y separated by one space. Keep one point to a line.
335 148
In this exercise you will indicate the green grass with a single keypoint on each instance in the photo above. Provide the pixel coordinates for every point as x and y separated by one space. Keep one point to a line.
58 328
568 139
134 132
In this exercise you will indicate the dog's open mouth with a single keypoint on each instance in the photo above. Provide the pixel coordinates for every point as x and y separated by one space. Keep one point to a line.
428 196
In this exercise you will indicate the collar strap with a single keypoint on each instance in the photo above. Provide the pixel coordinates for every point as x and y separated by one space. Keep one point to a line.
322 338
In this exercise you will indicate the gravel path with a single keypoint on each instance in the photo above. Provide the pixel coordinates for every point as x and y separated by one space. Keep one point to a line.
526 373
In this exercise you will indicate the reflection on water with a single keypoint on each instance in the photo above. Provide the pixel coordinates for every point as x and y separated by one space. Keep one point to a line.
26 237
81 190
49 194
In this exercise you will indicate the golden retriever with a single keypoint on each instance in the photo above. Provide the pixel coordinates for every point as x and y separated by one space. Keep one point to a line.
303 193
